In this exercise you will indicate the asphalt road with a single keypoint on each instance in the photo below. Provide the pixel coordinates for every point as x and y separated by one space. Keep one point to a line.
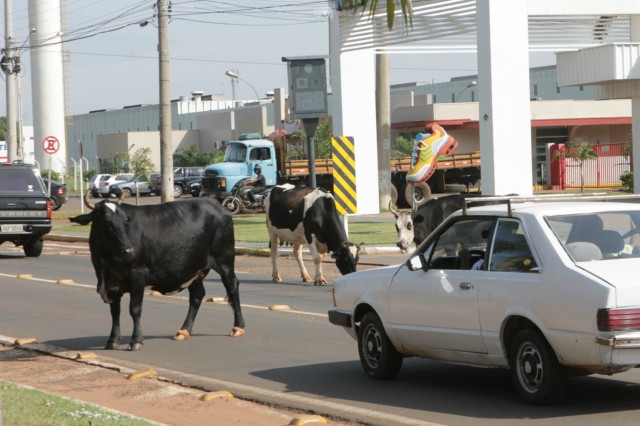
290 357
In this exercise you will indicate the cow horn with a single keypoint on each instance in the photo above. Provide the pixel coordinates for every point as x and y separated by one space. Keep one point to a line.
121 198
395 212
86 201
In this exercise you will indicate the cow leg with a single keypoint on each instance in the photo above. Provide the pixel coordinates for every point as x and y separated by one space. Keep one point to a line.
297 253
317 262
114 337
274 255
232 286
135 310
196 294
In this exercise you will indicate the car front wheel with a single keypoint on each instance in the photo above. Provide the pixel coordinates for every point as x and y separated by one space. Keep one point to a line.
177 191
535 371
378 357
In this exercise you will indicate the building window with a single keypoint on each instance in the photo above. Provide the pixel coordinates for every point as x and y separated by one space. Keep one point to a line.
557 88
453 97
581 88
473 96
535 90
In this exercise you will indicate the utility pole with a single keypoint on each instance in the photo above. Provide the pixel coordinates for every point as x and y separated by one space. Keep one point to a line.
166 145
8 68
383 111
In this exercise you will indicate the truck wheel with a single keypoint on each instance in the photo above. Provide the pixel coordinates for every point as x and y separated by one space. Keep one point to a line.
177 191
33 247
421 193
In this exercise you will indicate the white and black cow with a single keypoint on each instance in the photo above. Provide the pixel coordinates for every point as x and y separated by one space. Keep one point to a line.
167 247
304 215
419 223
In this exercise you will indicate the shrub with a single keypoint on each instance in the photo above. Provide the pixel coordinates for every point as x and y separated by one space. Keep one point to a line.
627 181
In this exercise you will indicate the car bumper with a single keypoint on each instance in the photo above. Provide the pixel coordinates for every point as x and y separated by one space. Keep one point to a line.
621 341
343 319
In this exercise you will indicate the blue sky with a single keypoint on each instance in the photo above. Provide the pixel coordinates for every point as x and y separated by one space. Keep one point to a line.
116 64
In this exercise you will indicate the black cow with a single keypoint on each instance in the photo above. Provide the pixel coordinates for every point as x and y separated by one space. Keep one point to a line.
304 215
167 247
429 215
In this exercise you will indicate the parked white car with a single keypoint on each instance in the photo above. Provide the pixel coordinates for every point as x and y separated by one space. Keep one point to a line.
104 185
542 288
92 185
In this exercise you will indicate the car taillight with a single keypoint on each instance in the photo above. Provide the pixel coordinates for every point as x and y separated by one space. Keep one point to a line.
106 184
49 209
618 319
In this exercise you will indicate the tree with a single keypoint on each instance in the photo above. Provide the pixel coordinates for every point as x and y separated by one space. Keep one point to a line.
322 139
372 6
191 157
401 147
3 128
579 153
140 163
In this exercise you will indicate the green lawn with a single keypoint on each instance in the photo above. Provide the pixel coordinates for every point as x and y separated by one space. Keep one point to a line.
253 229
23 406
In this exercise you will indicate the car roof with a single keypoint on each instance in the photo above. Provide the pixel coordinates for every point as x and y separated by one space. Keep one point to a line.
547 207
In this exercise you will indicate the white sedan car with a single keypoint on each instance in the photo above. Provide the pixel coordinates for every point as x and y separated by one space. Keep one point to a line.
542 288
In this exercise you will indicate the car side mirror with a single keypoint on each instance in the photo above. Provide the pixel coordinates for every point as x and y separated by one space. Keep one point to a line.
417 262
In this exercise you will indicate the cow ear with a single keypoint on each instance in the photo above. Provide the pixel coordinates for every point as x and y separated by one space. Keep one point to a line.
83 219
418 219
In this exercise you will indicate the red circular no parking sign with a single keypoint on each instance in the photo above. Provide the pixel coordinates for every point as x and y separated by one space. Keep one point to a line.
50 144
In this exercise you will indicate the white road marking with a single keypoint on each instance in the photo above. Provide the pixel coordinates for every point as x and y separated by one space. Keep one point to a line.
265 308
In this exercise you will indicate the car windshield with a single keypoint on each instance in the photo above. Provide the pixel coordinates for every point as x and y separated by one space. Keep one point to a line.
598 236
235 153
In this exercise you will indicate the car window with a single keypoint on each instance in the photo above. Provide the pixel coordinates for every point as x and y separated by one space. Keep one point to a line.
20 180
598 236
511 250
260 154
463 245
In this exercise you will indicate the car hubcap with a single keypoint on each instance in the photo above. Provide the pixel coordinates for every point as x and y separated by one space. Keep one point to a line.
372 347
530 368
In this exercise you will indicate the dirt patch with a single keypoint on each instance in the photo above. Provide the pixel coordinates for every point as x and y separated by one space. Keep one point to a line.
148 398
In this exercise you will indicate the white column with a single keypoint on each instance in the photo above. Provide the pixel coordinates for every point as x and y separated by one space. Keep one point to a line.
353 97
47 81
503 91
635 114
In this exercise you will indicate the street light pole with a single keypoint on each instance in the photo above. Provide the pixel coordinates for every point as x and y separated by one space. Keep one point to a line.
234 74
7 67
471 84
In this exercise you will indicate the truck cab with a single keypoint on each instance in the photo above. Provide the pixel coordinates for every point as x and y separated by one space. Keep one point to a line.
239 160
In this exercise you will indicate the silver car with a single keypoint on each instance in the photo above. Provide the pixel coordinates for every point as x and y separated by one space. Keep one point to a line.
135 184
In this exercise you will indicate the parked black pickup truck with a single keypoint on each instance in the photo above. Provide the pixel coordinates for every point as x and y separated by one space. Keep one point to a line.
25 207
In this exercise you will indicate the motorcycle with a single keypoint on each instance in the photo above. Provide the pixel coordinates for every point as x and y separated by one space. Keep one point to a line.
239 202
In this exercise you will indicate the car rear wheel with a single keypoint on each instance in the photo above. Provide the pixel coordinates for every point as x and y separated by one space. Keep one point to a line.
127 192
378 357
33 247
535 371
54 204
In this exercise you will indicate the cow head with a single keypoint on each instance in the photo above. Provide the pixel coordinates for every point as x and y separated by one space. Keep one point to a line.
109 225
404 226
347 256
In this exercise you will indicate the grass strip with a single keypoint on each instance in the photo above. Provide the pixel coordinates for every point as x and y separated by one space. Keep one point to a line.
26 406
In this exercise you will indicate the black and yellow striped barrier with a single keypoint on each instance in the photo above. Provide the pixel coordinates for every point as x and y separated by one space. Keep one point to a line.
344 174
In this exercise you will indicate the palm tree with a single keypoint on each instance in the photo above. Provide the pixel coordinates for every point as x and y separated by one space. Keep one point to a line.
579 153
372 6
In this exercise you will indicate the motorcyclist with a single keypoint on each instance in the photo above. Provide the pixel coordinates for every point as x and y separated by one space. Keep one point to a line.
259 184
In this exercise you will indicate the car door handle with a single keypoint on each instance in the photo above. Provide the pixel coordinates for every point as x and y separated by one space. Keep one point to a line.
466 286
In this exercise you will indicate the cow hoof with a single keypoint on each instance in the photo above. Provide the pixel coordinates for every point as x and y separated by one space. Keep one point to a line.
111 346
135 346
237 332
306 279
182 335
277 278
321 282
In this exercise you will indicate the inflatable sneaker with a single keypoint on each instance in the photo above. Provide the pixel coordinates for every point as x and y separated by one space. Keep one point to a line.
426 150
